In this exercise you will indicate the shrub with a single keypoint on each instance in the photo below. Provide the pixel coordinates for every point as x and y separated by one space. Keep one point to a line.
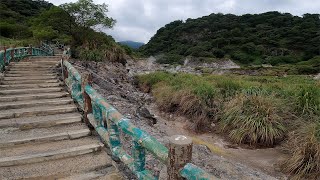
170 59
253 120
308 100
242 57
304 147
219 53
91 55
228 88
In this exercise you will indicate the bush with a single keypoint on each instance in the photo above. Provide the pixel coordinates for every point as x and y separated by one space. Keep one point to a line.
218 53
170 59
91 55
275 60
242 57
304 147
253 120
308 100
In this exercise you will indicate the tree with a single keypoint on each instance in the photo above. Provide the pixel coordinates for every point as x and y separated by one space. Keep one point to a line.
89 15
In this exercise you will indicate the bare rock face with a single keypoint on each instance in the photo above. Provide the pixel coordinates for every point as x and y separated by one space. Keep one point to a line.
145 113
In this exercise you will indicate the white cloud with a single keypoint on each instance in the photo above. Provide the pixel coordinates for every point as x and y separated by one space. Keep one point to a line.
138 20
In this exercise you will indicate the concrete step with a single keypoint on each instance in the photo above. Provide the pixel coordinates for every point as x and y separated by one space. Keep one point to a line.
42 69
52 170
35 63
51 155
24 97
31 76
24 123
68 135
39 85
37 111
30 91
38 126
33 103
30 81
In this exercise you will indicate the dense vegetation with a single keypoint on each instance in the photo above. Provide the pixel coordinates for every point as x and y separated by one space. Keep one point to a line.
252 110
270 37
25 22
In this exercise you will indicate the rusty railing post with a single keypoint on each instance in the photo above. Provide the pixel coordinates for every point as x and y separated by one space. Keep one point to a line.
180 153
86 78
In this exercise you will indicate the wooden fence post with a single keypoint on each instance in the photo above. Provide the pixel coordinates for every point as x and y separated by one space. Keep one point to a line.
180 153
86 78
5 56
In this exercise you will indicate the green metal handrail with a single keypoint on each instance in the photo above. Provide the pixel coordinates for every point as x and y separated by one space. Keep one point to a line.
16 54
107 122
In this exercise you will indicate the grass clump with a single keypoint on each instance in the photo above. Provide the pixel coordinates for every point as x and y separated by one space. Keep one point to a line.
304 146
308 100
253 120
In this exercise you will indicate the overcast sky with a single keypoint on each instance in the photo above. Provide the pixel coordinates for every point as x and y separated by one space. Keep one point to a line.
138 20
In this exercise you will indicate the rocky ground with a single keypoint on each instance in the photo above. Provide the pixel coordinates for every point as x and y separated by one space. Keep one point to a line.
116 83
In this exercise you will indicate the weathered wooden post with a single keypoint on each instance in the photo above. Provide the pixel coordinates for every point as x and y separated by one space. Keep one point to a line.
180 153
86 78
12 54
5 56
30 50
64 71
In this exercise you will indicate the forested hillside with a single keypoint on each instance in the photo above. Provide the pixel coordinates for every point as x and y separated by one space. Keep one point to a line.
32 21
270 37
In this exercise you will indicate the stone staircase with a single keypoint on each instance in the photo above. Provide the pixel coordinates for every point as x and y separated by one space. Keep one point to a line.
41 131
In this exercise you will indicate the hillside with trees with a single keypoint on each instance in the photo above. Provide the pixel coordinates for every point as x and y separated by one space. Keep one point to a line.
25 22
271 37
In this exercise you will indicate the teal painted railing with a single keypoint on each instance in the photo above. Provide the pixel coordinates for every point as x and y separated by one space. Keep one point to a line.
108 122
16 54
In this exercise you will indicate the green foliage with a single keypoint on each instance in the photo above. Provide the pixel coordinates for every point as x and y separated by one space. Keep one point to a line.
170 59
87 14
91 55
271 37
44 33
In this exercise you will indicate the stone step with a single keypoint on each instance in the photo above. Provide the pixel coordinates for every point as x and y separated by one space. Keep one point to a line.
30 91
30 81
39 85
29 78
37 126
33 103
51 155
110 173
52 170
24 97
37 111
37 69
41 121
35 63
47 138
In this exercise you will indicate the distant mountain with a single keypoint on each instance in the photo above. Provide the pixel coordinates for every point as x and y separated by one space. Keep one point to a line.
132 44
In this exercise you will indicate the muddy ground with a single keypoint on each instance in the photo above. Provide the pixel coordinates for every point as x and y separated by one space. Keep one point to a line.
210 151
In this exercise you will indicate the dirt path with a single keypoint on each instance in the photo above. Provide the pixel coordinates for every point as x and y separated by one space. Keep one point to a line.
210 152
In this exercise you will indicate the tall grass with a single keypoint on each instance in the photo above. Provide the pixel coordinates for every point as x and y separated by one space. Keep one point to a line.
304 146
254 120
